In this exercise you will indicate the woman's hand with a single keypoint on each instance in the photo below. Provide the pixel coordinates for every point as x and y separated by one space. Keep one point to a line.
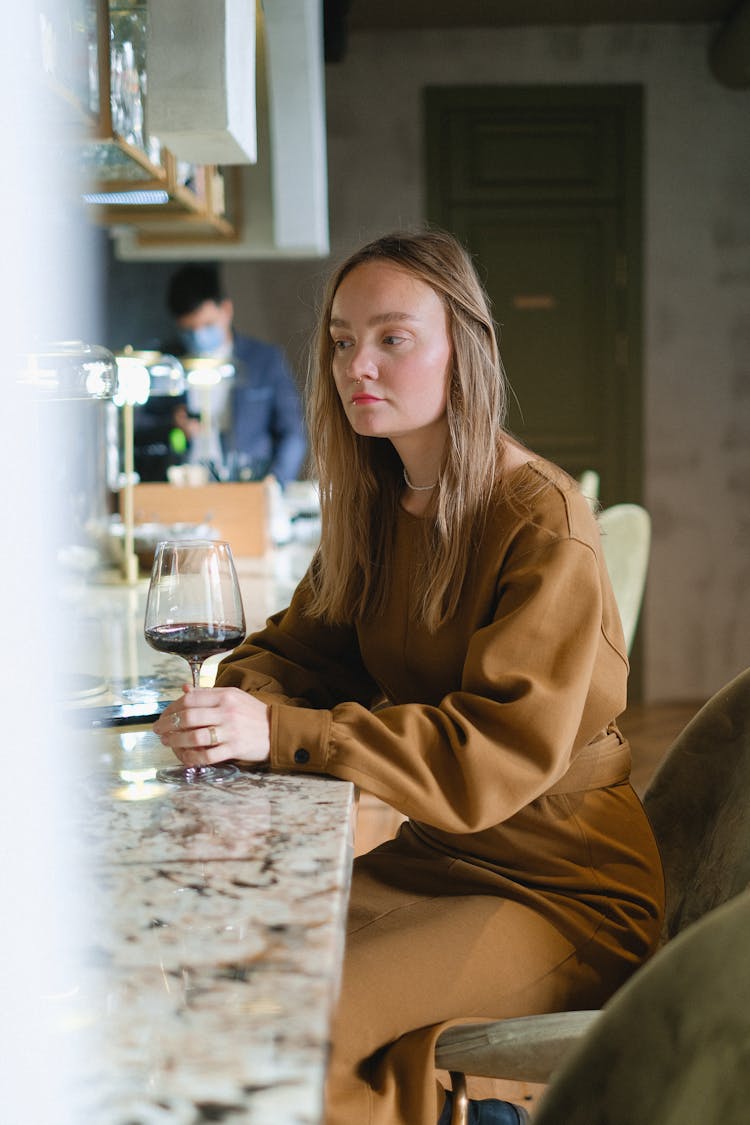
209 725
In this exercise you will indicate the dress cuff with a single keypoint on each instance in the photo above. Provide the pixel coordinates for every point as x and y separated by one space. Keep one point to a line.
300 738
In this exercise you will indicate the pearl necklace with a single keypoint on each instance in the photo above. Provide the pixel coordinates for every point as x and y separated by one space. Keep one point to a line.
418 487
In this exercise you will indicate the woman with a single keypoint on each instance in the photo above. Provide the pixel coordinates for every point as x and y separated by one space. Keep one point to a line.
459 584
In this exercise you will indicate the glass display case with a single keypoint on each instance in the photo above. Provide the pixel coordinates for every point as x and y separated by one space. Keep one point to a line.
69 50
94 57
127 55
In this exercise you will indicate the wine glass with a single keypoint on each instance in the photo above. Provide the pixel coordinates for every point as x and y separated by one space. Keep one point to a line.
194 610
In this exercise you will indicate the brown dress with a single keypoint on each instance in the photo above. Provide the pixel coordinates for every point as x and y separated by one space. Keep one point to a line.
526 878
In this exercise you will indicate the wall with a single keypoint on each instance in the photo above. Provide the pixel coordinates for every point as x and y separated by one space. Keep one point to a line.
696 619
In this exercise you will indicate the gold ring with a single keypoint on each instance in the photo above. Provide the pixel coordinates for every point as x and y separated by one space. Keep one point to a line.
176 720
214 737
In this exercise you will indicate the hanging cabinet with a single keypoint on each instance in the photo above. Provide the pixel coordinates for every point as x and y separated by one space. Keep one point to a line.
272 204
97 62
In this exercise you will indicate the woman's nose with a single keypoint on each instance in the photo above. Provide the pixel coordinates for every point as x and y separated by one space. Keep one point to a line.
361 363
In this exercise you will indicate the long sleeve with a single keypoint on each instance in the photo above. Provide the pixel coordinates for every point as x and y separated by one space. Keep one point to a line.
502 738
489 712
299 661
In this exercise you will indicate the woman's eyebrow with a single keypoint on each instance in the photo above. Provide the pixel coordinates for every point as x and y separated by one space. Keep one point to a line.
380 318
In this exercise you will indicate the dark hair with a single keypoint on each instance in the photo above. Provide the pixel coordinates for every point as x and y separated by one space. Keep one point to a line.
191 286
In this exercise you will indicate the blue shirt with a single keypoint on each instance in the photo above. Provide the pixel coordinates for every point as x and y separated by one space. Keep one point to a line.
267 433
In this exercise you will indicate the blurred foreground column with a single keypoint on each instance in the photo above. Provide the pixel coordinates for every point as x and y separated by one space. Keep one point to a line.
44 285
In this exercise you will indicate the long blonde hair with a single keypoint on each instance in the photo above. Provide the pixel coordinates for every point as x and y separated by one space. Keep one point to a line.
361 477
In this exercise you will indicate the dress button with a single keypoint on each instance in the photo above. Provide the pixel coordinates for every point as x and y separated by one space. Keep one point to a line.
301 756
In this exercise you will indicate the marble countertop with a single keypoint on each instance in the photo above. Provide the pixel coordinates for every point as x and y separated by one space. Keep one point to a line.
213 914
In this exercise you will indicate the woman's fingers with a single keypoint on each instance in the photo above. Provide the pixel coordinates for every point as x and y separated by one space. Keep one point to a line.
212 724
187 719
190 710
201 755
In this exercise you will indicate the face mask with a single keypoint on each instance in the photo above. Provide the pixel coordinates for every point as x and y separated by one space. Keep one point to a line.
207 340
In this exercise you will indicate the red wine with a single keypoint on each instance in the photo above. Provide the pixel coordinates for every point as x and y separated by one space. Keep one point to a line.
196 639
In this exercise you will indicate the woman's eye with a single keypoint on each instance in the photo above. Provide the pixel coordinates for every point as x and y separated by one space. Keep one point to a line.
339 345
393 339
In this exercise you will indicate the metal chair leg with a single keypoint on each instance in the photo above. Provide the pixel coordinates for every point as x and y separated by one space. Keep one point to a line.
460 1112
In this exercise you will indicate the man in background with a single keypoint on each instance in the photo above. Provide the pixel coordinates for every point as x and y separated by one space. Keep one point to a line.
250 425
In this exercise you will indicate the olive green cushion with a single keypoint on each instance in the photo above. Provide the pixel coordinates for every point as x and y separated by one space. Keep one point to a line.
673 1046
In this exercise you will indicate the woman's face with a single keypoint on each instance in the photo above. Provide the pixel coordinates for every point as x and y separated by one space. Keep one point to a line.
391 352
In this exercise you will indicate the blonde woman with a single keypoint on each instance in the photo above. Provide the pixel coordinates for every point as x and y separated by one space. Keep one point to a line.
460 580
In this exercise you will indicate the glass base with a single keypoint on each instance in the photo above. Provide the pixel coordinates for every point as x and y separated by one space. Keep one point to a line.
192 775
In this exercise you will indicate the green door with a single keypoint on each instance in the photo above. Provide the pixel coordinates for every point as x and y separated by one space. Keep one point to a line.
543 185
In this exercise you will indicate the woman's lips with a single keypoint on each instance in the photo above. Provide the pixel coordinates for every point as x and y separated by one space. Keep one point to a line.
362 399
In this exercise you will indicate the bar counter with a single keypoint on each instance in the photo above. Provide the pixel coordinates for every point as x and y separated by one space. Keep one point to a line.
214 913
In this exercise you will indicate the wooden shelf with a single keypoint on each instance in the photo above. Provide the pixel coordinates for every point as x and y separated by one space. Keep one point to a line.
114 164
188 215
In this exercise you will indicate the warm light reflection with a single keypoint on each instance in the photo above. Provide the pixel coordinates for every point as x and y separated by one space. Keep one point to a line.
138 792
204 376
140 785
207 371
138 777
133 382
99 379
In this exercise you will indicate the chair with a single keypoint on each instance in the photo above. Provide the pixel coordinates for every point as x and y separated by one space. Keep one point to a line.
626 544
672 1047
698 804
588 482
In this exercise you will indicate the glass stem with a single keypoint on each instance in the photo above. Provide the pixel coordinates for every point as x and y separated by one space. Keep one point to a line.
195 669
